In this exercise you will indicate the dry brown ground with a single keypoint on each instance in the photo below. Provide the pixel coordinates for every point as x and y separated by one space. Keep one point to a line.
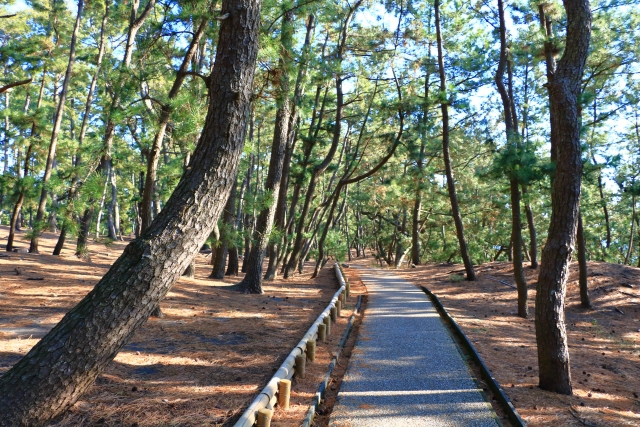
199 366
603 342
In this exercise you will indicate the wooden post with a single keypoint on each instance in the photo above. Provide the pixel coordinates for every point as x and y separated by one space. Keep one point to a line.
300 365
322 332
264 417
311 350
327 324
348 289
284 393
338 307
334 313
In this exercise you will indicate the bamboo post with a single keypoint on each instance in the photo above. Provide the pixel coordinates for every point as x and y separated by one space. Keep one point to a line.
311 350
264 417
348 288
284 393
338 307
327 324
300 365
322 332
334 312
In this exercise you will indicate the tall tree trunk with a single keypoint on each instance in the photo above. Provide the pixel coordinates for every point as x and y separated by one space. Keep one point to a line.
320 168
511 127
564 89
444 105
64 363
33 248
165 115
278 249
252 282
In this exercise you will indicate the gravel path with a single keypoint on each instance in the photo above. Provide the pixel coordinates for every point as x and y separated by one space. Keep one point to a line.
405 369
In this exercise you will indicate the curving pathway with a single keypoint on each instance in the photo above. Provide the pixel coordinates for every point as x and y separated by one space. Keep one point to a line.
405 369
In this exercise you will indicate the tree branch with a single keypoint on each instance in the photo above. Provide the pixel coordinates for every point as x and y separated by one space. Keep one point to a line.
14 84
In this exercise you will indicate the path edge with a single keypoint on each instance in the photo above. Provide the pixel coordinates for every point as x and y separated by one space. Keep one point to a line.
267 397
487 376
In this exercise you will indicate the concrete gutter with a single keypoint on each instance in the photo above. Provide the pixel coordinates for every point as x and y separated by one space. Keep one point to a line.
487 376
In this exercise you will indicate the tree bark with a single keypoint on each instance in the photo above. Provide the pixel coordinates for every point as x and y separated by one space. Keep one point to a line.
67 360
444 105
564 89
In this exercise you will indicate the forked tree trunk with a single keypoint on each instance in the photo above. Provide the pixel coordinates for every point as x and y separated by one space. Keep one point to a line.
564 89
455 209
65 362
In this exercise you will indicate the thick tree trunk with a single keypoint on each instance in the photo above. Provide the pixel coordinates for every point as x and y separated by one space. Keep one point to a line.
67 360
455 209
57 123
564 89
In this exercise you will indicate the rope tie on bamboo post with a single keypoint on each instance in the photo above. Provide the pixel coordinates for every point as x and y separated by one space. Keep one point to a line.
264 417
311 350
322 332
301 360
284 393
334 312
327 324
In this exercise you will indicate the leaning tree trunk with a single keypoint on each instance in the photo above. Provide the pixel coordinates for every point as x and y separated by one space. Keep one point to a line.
33 248
564 89
65 362
444 105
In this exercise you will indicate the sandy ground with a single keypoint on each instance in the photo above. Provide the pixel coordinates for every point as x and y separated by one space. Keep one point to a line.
200 366
604 342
